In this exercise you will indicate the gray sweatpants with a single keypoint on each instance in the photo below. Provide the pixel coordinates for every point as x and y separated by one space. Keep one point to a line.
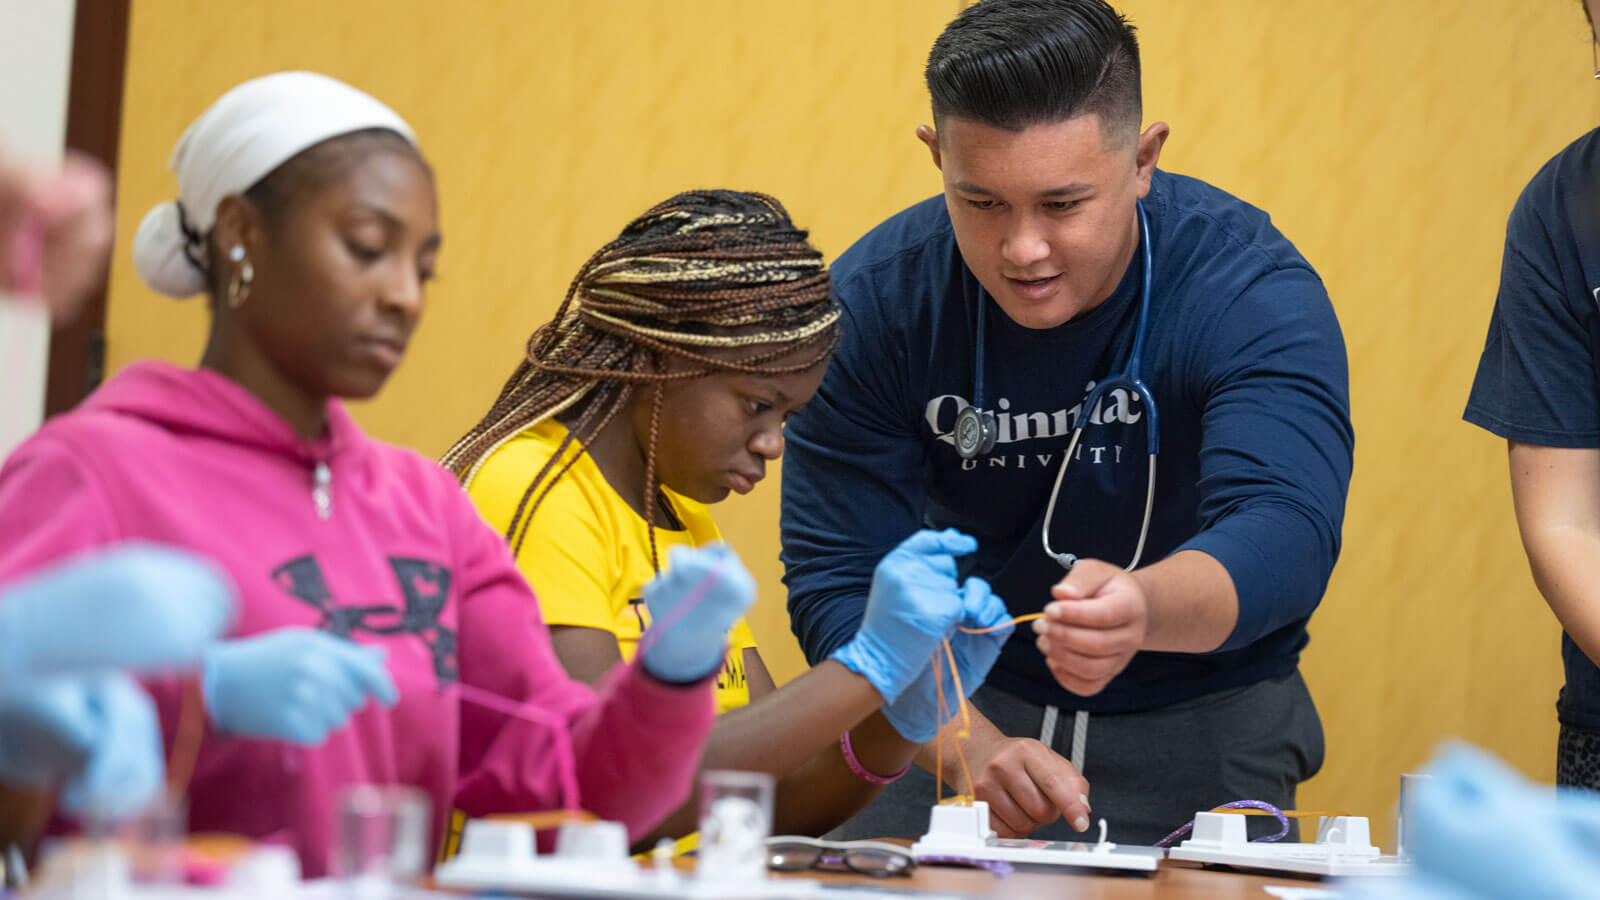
1148 772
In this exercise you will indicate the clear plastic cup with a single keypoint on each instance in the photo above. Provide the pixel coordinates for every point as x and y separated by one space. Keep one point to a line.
735 822
382 839
1404 821
151 842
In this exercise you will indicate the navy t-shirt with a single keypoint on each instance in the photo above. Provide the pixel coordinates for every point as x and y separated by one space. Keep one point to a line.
1247 365
1536 380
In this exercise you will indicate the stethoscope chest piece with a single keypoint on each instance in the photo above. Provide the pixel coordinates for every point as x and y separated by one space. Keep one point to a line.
974 432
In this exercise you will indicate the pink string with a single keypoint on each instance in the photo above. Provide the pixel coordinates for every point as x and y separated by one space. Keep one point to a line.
652 635
566 764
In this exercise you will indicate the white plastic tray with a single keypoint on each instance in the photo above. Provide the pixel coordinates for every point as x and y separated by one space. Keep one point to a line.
962 832
1343 848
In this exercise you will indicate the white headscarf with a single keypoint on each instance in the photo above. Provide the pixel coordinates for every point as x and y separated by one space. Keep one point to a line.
247 133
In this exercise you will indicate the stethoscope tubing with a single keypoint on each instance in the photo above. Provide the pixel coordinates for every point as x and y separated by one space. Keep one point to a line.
1128 380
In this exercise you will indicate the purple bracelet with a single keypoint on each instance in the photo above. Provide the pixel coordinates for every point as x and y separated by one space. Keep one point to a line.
860 770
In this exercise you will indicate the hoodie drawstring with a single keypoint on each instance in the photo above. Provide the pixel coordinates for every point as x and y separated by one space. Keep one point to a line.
322 490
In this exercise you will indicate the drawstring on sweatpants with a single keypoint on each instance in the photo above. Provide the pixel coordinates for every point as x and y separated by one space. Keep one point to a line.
1080 733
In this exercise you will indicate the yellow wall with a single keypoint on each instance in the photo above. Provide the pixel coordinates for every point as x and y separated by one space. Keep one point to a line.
1388 138
551 124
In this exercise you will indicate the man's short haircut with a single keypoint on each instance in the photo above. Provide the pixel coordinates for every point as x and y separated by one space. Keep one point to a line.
1010 64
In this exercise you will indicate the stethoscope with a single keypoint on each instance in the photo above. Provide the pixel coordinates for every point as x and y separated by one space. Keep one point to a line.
975 428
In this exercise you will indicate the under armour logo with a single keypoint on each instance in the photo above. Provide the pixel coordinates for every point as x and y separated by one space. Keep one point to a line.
424 585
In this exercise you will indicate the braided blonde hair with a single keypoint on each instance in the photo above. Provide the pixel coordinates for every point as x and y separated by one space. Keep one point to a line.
703 272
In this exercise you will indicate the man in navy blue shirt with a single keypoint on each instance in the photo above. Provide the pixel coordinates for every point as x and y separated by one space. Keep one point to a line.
1015 293
1536 387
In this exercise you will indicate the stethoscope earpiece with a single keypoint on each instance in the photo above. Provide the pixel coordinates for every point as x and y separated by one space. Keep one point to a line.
1065 560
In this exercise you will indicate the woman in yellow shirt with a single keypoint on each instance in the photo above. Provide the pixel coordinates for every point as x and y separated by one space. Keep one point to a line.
662 385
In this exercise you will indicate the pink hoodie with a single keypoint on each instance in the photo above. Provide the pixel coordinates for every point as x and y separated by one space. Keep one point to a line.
390 552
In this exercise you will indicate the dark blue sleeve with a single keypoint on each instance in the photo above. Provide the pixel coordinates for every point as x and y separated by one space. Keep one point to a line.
1536 378
1276 448
854 478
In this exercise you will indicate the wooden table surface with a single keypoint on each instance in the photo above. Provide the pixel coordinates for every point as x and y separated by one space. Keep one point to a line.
1171 882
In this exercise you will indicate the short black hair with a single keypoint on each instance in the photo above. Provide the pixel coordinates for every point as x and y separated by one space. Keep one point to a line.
1014 63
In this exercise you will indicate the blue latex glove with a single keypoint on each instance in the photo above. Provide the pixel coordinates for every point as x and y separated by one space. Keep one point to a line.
916 713
1480 830
1483 828
914 603
138 606
293 684
98 732
685 645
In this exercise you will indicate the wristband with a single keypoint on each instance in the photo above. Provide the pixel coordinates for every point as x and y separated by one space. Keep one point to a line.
860 770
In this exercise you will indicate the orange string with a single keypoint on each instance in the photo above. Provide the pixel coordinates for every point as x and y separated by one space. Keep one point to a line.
966 719
965 730
938 741
186 739
190 733
543 821
1007 624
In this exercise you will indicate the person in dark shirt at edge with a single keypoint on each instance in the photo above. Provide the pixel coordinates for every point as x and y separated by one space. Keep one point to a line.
1536 387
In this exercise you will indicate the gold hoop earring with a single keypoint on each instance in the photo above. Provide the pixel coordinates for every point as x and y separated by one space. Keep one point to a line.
239 287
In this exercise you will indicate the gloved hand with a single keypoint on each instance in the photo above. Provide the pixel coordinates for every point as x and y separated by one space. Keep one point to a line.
1552 848
137 606
687 643
1479 830
913 604
916 713
99 732
293 684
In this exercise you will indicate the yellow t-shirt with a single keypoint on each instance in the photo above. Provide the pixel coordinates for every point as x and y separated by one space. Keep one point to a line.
587 553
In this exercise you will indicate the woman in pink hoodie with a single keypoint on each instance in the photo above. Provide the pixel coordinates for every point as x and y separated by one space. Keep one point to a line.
373 600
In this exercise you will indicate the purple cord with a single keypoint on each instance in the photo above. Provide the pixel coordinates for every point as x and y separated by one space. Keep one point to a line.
1283 822
999 868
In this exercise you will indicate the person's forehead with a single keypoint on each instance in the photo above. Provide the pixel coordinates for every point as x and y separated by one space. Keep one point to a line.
1051 157
1082 127
782 381
386 179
